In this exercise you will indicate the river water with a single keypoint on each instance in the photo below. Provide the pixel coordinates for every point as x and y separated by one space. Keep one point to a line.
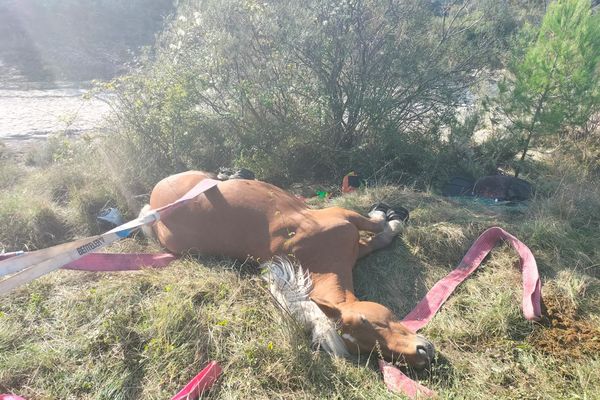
32 111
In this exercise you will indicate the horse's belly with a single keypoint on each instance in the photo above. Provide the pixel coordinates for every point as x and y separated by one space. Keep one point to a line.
237 218
185 233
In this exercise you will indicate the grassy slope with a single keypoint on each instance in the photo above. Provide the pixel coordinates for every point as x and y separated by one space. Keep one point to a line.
73 335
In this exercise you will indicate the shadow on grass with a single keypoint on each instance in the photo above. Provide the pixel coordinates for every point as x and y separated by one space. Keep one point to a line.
392 277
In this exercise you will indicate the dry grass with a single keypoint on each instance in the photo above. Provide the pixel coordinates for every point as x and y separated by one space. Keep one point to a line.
74 335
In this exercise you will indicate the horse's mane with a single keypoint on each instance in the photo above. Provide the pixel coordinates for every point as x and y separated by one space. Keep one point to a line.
291 287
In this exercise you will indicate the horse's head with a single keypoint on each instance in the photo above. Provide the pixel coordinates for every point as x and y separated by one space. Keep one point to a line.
370 327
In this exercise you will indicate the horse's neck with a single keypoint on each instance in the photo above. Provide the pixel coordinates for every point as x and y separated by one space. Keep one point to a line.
332 287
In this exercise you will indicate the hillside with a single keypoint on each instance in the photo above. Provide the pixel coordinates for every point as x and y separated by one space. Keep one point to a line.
145 334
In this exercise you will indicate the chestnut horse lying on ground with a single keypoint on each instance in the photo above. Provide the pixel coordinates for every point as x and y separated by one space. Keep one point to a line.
248 218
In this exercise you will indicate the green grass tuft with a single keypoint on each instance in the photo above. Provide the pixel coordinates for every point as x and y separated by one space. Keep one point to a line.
28 222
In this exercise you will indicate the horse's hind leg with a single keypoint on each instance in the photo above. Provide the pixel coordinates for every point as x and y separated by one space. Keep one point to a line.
392 228
383 239
382 221
375 223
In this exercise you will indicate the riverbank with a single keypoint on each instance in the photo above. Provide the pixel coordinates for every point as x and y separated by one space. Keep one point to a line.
36 110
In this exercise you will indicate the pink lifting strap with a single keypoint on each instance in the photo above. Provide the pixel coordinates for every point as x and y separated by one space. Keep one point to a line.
111 262
439 293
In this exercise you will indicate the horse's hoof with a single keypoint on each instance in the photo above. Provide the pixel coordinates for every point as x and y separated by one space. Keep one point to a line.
399 214
384 208
243 173
229 173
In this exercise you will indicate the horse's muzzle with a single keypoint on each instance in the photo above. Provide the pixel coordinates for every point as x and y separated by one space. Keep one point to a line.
425 352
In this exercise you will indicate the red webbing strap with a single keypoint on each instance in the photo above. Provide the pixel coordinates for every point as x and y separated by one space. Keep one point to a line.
109 262
10 397
200 383
396 381
439 293
112 262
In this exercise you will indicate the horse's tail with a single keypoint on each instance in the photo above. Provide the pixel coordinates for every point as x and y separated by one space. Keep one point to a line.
147 229
291 287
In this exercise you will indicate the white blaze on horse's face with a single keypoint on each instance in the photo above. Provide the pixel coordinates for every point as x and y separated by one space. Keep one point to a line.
367 326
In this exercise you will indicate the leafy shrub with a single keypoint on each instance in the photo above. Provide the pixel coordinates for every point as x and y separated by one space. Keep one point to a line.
303 92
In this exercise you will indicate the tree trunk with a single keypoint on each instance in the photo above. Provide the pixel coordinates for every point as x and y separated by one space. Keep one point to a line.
536 116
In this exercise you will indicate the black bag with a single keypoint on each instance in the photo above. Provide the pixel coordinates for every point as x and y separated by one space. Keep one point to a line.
503 188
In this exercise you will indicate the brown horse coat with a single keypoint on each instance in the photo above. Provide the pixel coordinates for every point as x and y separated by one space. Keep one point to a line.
248 218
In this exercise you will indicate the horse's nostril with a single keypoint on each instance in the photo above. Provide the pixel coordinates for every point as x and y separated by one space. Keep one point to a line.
426 350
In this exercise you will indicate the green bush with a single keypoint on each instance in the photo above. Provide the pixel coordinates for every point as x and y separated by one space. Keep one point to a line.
304 92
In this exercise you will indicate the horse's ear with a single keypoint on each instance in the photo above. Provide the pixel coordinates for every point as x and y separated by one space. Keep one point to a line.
328 308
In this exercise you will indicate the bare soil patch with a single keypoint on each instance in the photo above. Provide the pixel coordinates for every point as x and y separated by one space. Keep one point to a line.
563 333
